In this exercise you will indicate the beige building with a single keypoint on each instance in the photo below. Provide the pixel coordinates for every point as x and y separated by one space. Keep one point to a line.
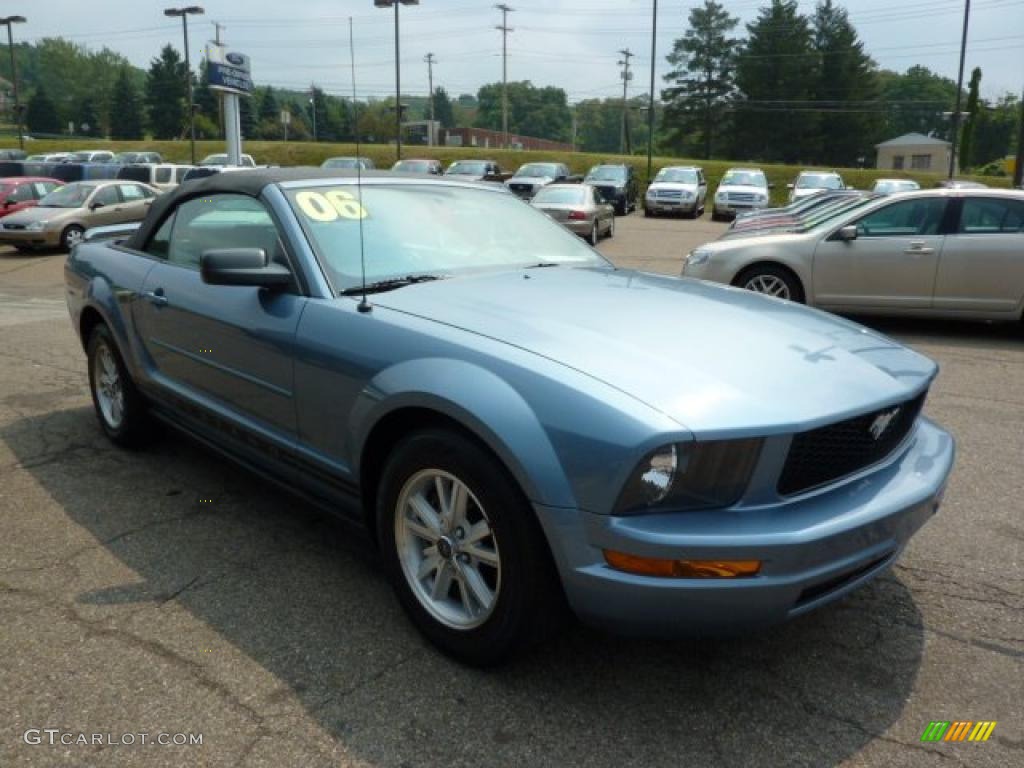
914 152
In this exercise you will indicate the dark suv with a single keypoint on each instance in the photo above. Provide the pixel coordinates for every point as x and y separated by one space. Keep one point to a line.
617 185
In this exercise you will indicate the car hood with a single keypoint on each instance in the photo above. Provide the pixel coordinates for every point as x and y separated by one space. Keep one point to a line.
38 213
672 185
742 188
717 360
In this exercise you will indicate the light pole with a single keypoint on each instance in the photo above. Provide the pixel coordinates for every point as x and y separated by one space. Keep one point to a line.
429 58
650 105
9 20
184 13
398 70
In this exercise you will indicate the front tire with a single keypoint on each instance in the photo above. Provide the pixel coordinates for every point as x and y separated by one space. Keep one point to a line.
771 280
120 408
71 236
611 228
464 552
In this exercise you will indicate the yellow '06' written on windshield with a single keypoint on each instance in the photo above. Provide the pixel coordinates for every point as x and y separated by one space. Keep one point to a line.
329 206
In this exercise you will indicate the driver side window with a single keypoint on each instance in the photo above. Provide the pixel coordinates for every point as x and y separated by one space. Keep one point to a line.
220 221
907 218
106 196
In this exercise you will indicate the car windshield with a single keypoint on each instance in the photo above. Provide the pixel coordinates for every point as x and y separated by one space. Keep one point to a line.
888 187
606 173
538 170
342 162
677 175
429 229
818 181
561 195
744 179
81 157
412 166
215 160
468 168
68 196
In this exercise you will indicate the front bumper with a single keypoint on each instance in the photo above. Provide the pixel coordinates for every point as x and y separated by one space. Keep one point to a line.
670 206
729 208
814 549
37 239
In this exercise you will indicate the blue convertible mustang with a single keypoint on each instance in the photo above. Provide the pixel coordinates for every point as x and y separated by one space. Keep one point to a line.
519 424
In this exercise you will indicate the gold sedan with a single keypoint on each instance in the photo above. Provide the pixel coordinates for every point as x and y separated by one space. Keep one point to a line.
62 217
579 207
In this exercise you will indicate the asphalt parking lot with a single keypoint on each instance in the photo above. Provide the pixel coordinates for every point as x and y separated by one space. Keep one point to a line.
170 592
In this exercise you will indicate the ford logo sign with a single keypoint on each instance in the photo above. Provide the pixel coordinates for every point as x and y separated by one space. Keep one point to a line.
235 58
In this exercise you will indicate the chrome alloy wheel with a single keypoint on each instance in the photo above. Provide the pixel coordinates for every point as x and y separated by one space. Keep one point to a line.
109 388
73 237
768 284
447 549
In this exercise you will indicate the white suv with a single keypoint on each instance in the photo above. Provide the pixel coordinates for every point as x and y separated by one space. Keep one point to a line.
741 189
812 182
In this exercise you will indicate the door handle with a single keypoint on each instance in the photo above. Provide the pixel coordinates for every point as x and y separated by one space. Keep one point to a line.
917 248
156 298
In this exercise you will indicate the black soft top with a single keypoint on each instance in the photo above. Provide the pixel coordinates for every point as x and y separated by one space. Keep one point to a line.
251 182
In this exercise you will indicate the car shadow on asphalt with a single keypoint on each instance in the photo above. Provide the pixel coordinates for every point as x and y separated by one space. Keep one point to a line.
974 335
300 596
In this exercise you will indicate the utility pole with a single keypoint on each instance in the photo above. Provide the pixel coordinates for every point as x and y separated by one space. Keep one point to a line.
1018 171
959 89
650 104
429 58
626 77
14 74
505 29
574 125
312 100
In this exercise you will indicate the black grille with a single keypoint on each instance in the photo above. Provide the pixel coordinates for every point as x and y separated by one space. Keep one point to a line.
826 454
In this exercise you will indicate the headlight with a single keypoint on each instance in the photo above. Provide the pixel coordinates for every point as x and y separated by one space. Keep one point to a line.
36 226
761 198
690 476
720 195
698 257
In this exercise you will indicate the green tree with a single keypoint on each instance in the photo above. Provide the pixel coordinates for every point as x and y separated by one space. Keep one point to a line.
269 108
915 102
599 125
87 120
207 103
443 111
965 153
125 109
777 76
995 132
701 80
539 112
166 95
41 115
247 118
847 91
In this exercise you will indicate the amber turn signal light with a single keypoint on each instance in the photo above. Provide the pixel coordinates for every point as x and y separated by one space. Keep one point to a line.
682 569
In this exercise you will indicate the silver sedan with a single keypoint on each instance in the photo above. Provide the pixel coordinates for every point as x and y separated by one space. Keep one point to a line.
580 207
945 252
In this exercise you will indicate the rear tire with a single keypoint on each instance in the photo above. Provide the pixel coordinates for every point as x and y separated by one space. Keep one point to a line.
465 554
120 408
592 238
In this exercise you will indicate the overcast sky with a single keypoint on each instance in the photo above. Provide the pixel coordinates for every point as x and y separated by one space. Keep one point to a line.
569 43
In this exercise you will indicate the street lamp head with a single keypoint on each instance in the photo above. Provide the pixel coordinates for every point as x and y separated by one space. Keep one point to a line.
13 20
194 10
389 3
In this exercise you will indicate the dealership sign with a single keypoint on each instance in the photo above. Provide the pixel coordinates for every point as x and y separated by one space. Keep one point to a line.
228 70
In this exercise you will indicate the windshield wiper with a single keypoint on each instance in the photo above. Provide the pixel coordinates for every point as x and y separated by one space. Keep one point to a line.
541 264
379 286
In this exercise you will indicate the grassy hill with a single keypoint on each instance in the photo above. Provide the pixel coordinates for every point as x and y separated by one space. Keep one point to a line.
309 153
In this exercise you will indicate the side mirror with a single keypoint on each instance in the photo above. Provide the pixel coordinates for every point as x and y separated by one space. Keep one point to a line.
8 203
789 186
848 233
96 205
242 266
